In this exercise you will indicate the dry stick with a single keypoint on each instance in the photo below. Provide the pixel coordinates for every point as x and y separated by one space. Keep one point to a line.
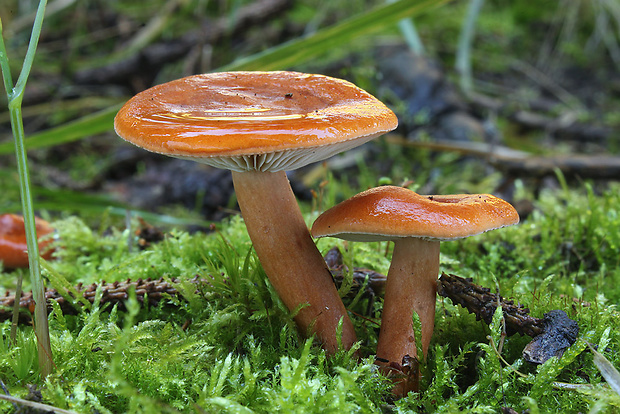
474 298
522 163
38 406
6 392
482 303
114 293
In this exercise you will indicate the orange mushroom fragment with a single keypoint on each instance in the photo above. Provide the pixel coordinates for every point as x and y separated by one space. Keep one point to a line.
259 125
417 224
13 249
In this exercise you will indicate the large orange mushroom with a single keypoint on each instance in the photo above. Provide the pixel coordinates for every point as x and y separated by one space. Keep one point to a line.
259 125
417 224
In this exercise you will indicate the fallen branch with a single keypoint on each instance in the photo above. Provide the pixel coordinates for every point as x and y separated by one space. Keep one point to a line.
551 334
520 163
156 290
476 299
44 408
114 293
482 303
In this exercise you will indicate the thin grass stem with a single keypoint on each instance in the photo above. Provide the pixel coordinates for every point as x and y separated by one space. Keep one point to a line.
4 65
15 96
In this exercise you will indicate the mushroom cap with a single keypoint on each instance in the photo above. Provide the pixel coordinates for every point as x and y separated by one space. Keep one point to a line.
389 213
267 121
13 248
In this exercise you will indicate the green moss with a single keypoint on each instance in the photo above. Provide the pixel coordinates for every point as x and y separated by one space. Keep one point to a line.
231 346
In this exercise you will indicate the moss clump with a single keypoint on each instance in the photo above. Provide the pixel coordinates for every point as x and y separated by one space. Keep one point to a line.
231 346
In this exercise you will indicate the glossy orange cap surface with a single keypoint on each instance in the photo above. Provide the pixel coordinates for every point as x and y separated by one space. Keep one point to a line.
13 240
389 212
232 114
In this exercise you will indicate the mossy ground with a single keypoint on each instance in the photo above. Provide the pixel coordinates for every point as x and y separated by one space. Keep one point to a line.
231 346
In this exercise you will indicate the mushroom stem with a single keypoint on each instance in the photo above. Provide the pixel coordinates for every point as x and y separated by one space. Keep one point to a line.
411 286
289 256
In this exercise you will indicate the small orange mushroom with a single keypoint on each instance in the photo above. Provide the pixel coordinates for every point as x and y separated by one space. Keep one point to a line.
13 249
416 224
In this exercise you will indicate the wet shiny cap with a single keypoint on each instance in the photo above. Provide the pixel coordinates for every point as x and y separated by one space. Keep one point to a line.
267 121
389 212
13 248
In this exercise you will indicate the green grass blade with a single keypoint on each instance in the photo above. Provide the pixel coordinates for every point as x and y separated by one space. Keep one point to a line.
88 125
303 49
81 203
286 55
20 85
14 97
4 66
608 371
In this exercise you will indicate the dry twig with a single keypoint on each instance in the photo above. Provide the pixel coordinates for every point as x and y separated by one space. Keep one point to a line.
520 163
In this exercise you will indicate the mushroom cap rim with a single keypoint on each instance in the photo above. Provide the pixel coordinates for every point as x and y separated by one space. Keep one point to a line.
331 111
391 212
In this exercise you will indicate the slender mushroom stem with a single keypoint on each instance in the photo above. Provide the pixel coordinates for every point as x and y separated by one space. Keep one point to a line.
411 286
289 256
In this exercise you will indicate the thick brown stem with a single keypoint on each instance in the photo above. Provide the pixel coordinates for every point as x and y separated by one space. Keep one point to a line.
411 287
289 256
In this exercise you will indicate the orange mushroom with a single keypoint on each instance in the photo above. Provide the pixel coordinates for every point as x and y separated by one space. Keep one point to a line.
13 249
259 125
417 224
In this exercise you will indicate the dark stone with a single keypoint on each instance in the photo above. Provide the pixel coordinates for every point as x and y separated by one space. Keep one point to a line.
559 333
